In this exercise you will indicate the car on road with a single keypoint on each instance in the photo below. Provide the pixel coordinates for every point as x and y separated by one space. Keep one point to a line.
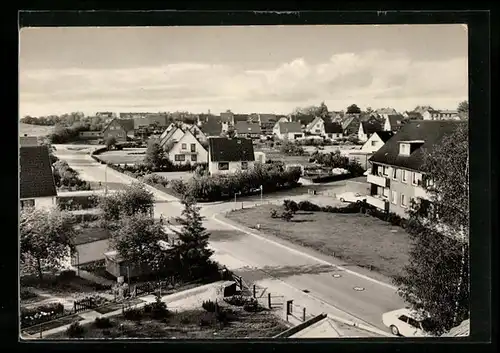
407 323
351 197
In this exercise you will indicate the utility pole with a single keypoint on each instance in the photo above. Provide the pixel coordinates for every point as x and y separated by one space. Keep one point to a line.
261 194
236 193
106 180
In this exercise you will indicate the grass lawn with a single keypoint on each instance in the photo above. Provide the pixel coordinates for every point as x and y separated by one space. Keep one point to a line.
186 325
52 324
129 156
358 239
34 130
115 306
62 287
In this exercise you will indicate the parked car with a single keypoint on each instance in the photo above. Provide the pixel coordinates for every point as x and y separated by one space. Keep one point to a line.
351 197
407 323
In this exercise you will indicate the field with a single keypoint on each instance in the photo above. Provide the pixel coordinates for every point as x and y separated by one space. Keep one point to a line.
358 239
34 130
127 155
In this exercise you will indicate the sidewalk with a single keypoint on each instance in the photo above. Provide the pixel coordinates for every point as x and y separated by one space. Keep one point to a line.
185 299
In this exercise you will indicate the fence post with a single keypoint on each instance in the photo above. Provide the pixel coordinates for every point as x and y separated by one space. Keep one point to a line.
269 300
254 294
74 306
304 314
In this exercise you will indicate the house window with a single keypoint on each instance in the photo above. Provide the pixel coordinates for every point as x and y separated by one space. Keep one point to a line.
244 165
223 166
430 183
385 171
183 146
394 197
394 173
416 179
28 203
193 147
403 201
374 143
194 158
385 192
180 158
404 149
404 176
317 131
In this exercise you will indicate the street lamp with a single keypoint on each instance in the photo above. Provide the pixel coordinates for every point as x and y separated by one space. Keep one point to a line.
261 192
106 180
236 193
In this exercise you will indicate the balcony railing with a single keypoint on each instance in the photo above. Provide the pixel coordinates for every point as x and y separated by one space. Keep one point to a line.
378 180
378 202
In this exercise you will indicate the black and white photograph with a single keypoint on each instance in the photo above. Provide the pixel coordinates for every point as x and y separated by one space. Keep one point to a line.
244 182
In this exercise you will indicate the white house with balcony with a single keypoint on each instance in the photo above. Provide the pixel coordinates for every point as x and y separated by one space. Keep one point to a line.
396 176
229 155
187 150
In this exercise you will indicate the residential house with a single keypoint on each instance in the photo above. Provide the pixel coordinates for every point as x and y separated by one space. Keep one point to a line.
283 119
198 133
386 111
316 127
248 130
432 114
367 128
396 175
167 139
187 149
240 118
229 155
350 124
211 128
266 122
332 131
393 122
119 128
412 115
422 109
227 118
37 187
376 141
336 116
303 119
105 115
260 157
288 130
28 141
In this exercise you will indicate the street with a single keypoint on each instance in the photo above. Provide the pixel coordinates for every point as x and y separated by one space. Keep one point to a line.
318 285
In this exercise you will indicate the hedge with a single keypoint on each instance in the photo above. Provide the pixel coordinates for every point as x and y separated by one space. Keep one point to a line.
329 178
308 206
222 187
77 202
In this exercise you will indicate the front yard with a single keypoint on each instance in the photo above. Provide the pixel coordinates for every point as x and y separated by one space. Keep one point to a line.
356 238
127 155
188 324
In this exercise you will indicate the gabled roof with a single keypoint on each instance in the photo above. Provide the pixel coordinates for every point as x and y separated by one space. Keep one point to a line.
395 120
369 127
333 128
242 127
390 111
126 124
314 122
226 117
266 118
429 131
348 120
414 115
35 178
289 127
224 149
384 135
211 128
303 119
241 117
168 136
186 133
28 141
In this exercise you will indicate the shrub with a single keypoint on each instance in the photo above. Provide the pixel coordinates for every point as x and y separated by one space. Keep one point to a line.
290 205
102 322
26 294
154 179
209 306
208 319
287 215
178 186
308 206
236 300
274 213
75 330
67 275
252 306
133 314
159 309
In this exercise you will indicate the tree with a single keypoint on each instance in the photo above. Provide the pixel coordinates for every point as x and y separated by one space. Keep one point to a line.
192 249
353 109
137 240
46 237
230 133
436 279
322 111
463 110
110 142
369 110
135 198
155 156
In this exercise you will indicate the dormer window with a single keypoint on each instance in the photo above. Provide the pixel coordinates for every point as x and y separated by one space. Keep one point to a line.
404 149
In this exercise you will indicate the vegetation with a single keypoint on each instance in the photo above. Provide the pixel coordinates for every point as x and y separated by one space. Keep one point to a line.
463 110
66 178
134 199
110 142
75 330
46 236
291 149
155 156
353 109
437 276
217 187
337 160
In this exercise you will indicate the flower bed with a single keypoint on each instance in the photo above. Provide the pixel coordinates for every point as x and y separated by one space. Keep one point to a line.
41 314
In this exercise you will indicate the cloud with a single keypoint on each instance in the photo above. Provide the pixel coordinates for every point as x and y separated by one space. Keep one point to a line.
371 78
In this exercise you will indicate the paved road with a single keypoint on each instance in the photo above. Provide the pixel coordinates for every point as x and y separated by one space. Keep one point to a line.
280 269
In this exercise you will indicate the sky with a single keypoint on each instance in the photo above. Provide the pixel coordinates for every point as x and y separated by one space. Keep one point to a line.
261 69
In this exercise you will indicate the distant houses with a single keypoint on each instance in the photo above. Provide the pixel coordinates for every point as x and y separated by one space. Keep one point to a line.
186 150
431 114
288 130
248 130
120 129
